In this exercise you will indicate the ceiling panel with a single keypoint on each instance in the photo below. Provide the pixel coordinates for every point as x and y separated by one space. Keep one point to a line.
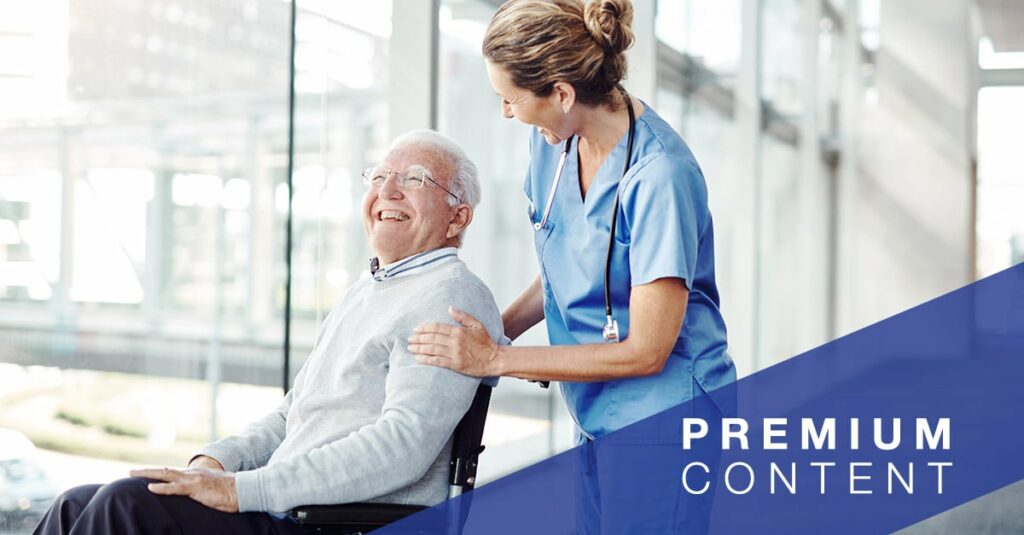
1004 23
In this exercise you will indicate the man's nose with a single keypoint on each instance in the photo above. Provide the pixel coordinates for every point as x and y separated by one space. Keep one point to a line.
506 110
389 189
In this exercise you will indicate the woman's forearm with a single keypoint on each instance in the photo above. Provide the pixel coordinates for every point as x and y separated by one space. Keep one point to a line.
525 312
657 311
590 362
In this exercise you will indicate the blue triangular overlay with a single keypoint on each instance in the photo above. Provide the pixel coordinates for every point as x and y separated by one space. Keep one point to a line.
958 358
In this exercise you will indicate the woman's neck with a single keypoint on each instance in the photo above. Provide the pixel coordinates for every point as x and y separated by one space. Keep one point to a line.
602 128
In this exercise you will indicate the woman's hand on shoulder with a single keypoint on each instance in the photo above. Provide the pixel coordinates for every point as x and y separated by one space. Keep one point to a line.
467 349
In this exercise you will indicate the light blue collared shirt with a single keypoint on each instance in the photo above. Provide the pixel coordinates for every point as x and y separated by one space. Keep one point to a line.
411 265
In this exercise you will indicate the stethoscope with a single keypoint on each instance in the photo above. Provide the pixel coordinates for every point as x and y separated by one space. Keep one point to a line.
611 327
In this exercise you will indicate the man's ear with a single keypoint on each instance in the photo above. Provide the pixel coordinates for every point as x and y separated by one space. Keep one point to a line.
565 93
460 220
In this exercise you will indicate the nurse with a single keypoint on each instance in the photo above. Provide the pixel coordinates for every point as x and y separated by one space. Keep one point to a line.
598 153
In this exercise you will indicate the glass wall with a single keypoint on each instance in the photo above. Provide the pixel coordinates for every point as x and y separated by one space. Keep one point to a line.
1000 227
699 57
141 265
712 136
706 30
341 127
780 52
760 185
526 422
778 276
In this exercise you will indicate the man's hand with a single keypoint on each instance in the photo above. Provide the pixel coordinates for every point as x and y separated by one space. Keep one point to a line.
207 462
211 488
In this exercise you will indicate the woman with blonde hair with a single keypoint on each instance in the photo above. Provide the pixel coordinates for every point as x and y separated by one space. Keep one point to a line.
621 224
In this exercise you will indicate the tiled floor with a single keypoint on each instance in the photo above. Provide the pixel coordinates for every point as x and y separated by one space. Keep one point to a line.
998 513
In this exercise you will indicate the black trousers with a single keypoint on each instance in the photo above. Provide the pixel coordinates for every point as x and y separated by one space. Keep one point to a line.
126 506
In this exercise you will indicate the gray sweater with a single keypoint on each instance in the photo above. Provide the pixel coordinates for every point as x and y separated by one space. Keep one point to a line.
364 421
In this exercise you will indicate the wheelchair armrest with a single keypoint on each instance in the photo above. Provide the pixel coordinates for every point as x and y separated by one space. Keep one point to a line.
365 515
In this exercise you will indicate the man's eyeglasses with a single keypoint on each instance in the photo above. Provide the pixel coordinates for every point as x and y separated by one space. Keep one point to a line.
412 178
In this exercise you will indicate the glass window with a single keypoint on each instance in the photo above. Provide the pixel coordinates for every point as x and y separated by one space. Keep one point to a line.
712 137
830 70
671 106
525 423
1000 224
780 54
870 22
988 58
779 245
706 30
341 121
141 244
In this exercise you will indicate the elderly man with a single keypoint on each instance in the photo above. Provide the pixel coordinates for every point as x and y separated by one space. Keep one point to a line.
364 421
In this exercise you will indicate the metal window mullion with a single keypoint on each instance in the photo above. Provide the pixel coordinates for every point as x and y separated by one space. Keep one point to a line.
286 369
851 91
752 193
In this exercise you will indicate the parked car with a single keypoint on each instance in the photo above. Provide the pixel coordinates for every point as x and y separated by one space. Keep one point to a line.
25 490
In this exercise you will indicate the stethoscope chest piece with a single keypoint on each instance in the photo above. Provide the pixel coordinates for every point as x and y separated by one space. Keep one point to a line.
611 330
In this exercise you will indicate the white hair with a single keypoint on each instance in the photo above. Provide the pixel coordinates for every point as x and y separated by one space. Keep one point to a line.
464 183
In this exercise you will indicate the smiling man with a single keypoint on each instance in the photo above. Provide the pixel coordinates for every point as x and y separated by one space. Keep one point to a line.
364 421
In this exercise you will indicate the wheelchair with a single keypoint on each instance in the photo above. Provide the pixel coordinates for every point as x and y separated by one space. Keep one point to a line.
359 518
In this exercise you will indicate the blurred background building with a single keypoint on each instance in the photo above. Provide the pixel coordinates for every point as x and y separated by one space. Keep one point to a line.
862 156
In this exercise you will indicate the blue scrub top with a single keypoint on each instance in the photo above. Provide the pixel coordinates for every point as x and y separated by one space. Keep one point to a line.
664 230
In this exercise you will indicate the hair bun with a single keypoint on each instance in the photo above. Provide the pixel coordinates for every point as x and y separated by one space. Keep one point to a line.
609 23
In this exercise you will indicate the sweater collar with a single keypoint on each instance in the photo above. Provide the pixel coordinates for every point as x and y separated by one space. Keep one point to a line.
410 265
